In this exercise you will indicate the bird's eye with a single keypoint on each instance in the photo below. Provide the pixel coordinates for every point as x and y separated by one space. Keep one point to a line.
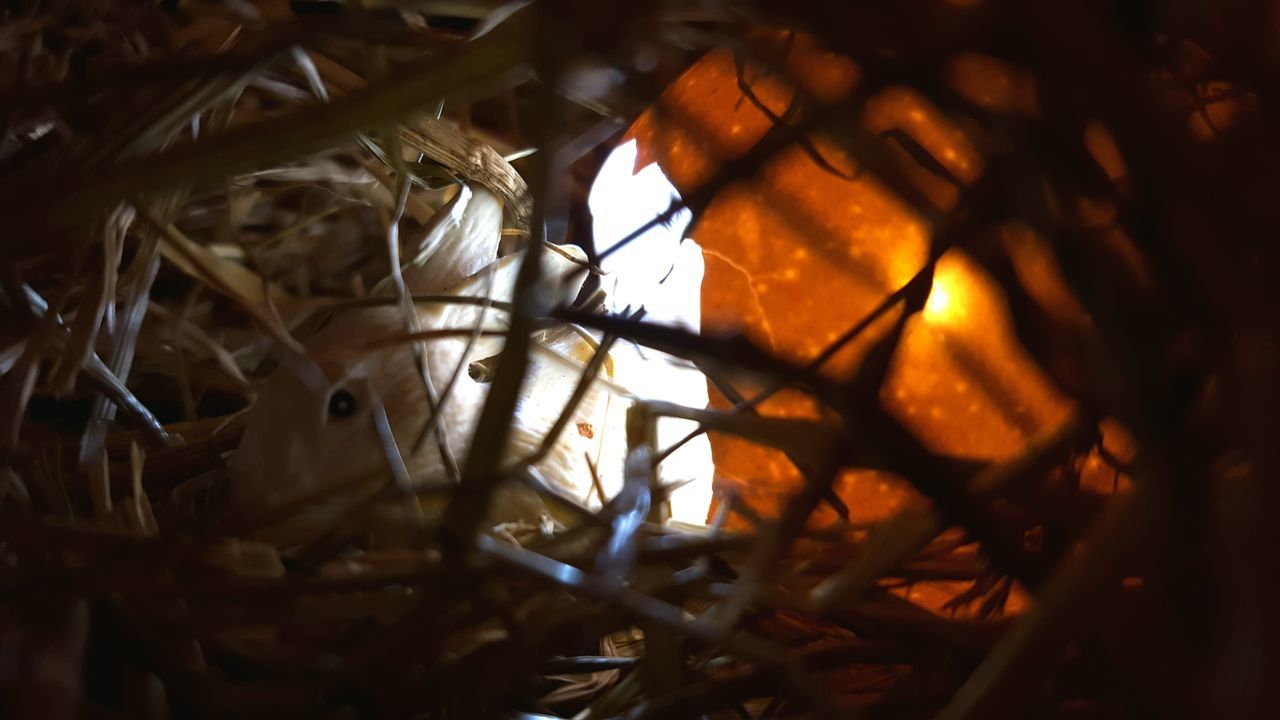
342 404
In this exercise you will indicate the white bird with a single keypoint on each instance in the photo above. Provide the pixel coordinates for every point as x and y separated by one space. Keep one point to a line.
337 427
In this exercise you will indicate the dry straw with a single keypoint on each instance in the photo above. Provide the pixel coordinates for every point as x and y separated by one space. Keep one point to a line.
189 190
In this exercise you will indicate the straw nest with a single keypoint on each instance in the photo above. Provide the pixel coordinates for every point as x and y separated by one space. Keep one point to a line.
188 184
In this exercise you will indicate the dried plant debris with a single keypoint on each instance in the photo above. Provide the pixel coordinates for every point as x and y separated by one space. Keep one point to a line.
324 391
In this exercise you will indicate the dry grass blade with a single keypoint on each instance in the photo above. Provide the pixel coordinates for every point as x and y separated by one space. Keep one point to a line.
96 371
652 611
200 341
84 330
1076 589
495 59
731 353
410 315
631 506
433 419
481 472
805 441
124 342
263 302
907 532
472 161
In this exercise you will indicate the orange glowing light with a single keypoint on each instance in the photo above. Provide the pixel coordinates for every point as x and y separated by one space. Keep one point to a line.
806 246
941 305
